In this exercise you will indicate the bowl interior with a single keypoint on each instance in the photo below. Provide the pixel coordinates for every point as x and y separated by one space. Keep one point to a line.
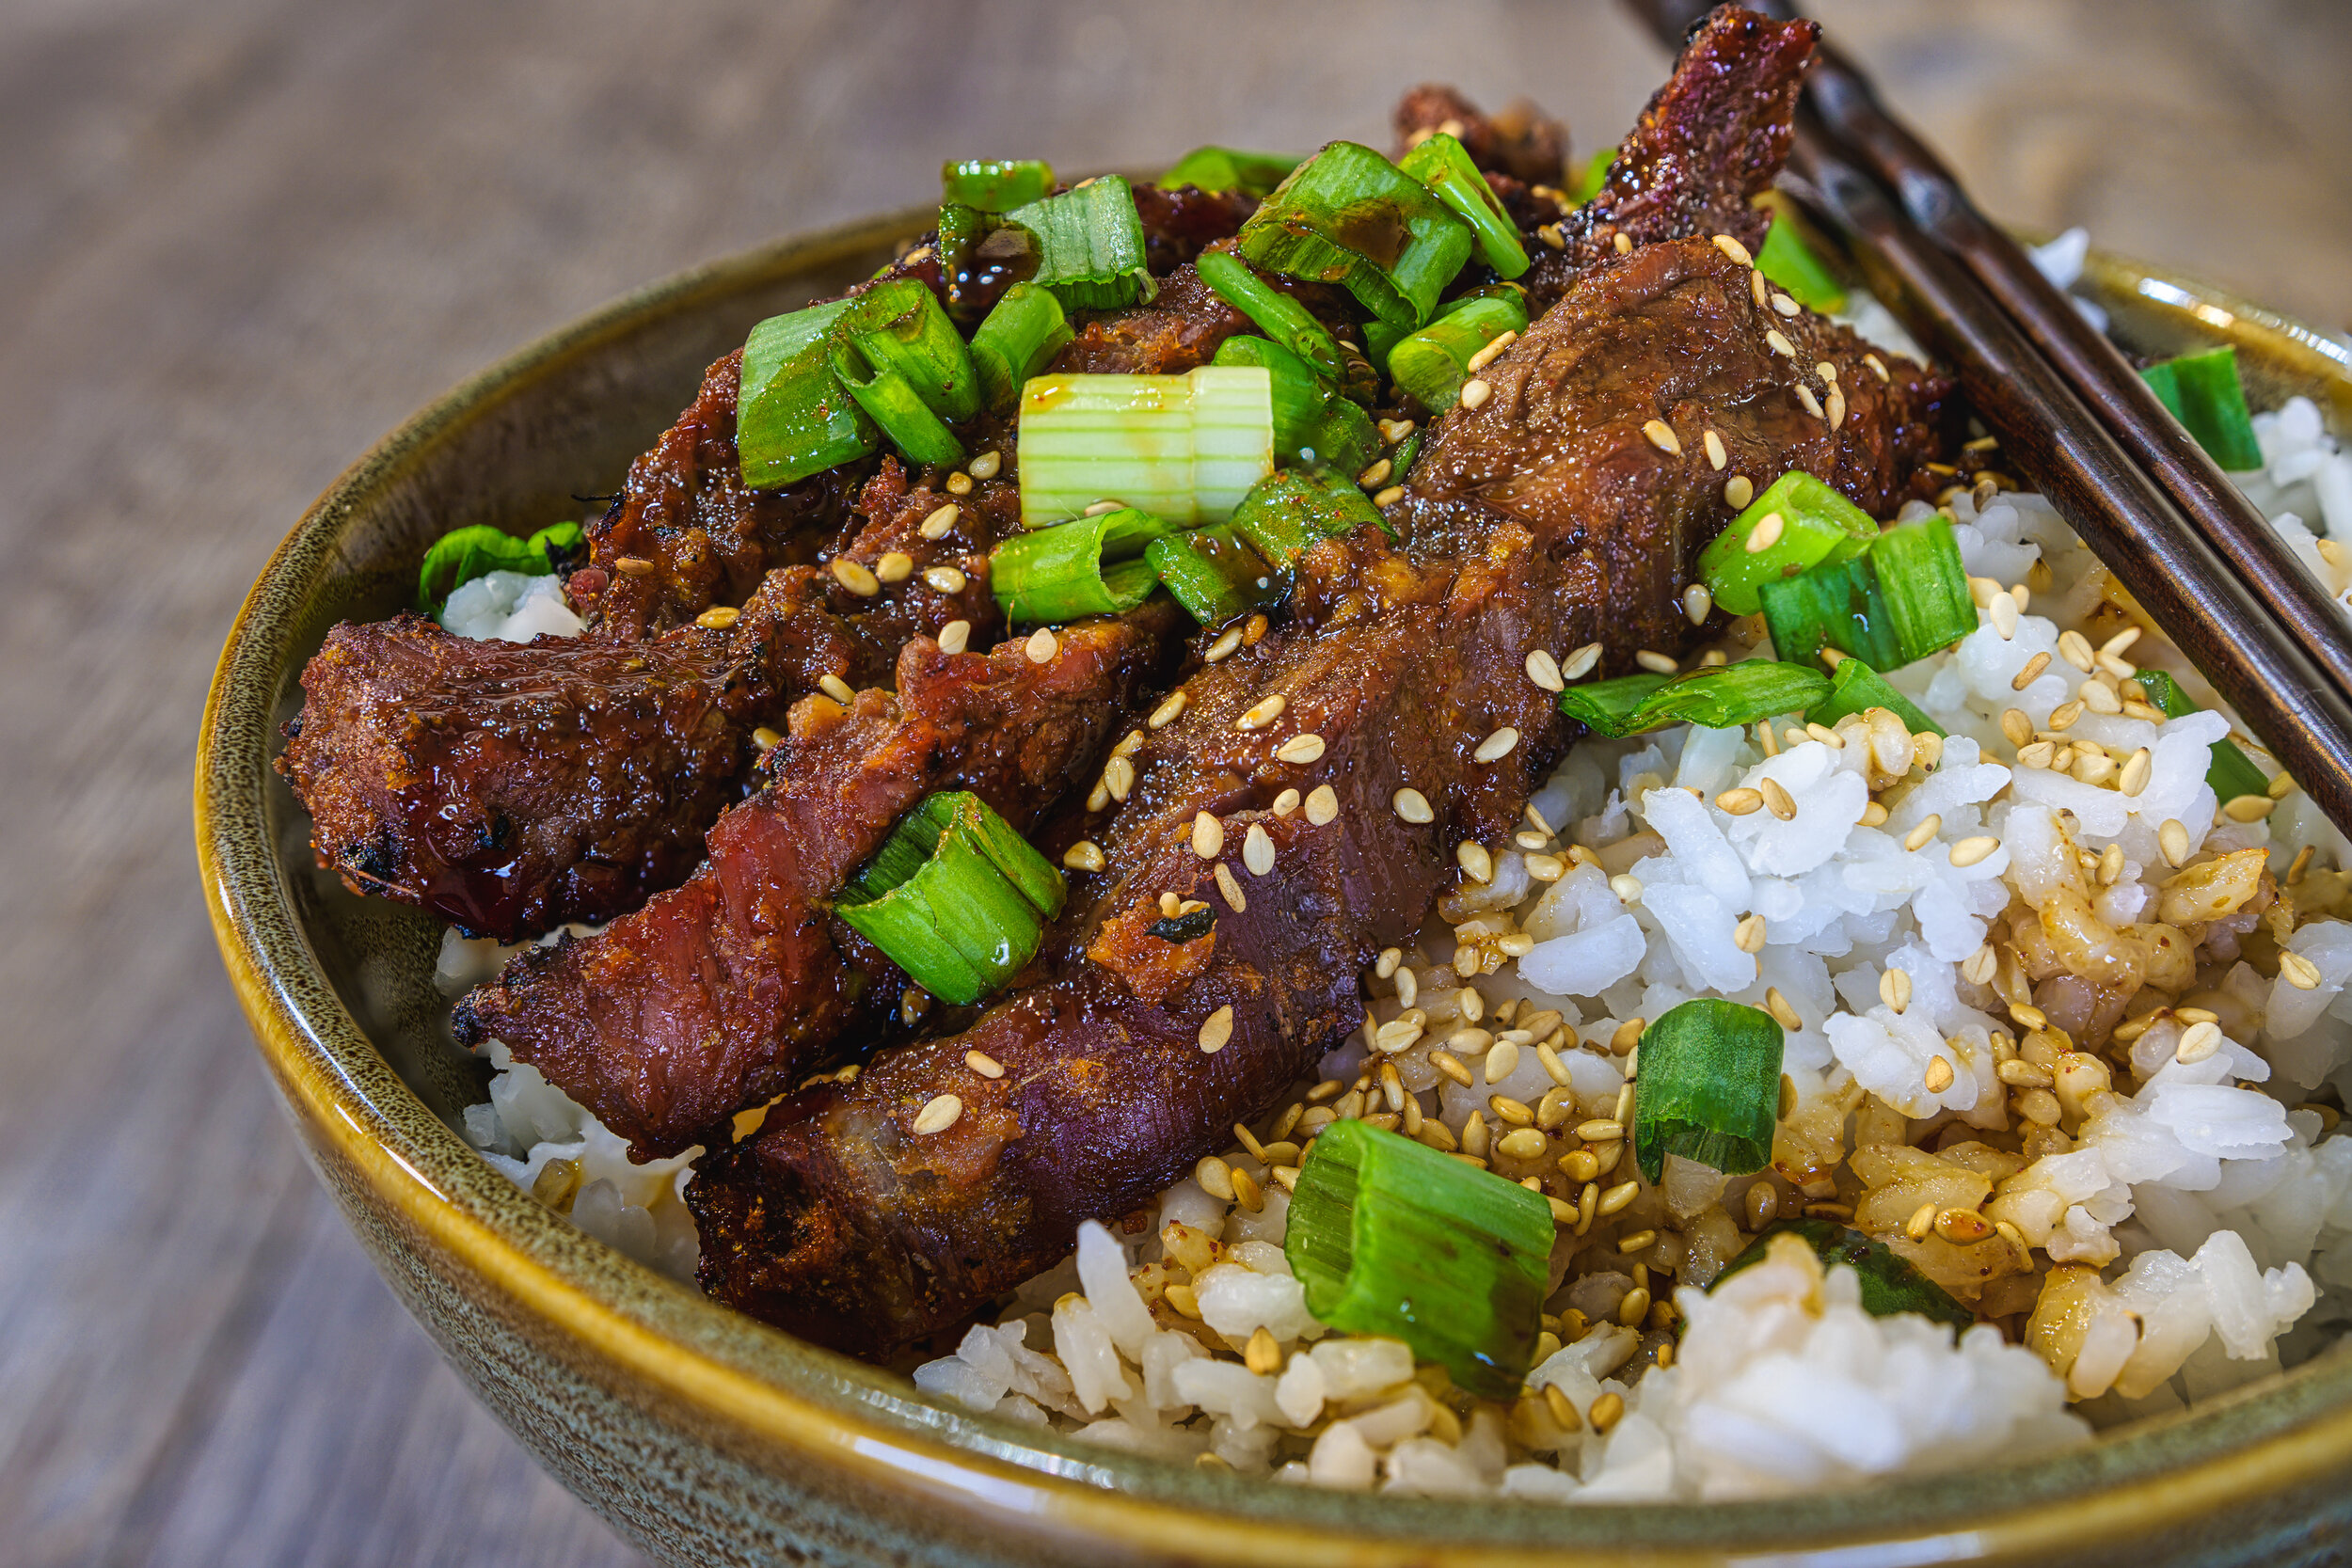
351 979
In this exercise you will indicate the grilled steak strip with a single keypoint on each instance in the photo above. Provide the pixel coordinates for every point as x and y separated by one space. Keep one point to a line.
725 991
1522 142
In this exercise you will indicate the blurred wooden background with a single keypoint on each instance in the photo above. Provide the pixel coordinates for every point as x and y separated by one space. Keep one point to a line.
240 240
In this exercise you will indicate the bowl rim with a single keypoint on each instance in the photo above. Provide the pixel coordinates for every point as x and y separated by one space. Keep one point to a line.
2160 1476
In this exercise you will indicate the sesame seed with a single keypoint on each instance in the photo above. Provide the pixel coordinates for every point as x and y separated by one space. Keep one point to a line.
938 1115
1263 712
2134 775
2280 788
718 617
1777 799
1231 887
1757 287
2003 610
1396 1035
2298 971
1388 497
1766 533
1322 805
1497 745
1580 663
1812 404
1609 1409
1622 242
895 566
854 577
1041 645
1222 649
2031 672
959 485
1780 345
1878 367
1104 508
1165 713
1300 749
1826 736
1475 863
985 466
1895 989
1524 1143
1214 1176
1627 1035
1475 394
1384 965
1748 936
2015 727
1544 669
1662 436
2198 1041
1545 868
1376 474
1968 851
1084 855
955 637
1827 372
1492 351
1741 801
1696 602
1785 306
1216 1031
1833 409
1394 430
1778 1006
1119 779
766 738
2099 697
1657 663
632 566
1929 825
1962 1227
1734 249
1257 850
1627 886
1716 454
945 579
1208 835
939 522
834 687
1738 491
1549 233
2250 808
1411 805
1286 802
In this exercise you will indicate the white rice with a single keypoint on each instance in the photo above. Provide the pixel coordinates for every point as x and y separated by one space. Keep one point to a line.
511 607
2193 1212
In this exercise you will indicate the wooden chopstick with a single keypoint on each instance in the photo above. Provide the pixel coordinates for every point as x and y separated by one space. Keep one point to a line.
2229 626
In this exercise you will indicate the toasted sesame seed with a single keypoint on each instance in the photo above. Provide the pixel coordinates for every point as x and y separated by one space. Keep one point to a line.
1397 1034
1544 669
1580 663
1778 1006
854 577
1826 736
1827 372
1549 233
1780 345
1257 850
937 1115
1216 1031
2250 808
1208 835
1222 649
1962 1227
1895 989
1785 306
1376 474
632 566
2075 648
766 738
2031 672
2111 865
1084 855
895 566
1759 288
1475 394
1929 827
1497 745
1263 712
1524 1143
2062 717
1394 430
2015 727
1748 936
1878 367
834 687
2002 610
1739 803
945 579
1624 1192
2298 971
2198 1041
1609 1409
1812 404
1300 749
1834 406
2038 753
985 466
1322 805
1777 799
1968 851
1384 965
1627 886
1475 863
1228 884
1489 353
1662 436
2280 788
2135 773
959 485
1657 663
955 637
1696 603
1119 779
1766 533
1622 243
2028 1015
1734 249
1041 645
1545 868
1104 508
940 521
1411 805
1738 491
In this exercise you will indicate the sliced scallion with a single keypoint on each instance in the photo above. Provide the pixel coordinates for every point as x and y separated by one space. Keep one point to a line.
891 402
1276 314
1607 707
1903 598
1442 163
1024 331
1432 363
955 897
1726 696
1889 1283
1213 573
1089 245
1814 522
1226 169
1925 586
464 554
995 187
1288 512
1186 447
2228 769
901 325
1300 394
1708 1088
1390 1237
1347 216
793 417
1344 439
1787 261
1856 688
1089 566
2205 393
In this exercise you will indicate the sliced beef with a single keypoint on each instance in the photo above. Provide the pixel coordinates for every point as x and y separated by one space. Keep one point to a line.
1180 224
1709 142
1673 333
1179 330
724 991
1522 141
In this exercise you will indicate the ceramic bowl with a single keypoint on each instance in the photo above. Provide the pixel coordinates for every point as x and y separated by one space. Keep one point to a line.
706 1437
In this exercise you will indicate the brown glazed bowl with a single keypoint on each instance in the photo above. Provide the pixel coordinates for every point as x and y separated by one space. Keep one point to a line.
706 1437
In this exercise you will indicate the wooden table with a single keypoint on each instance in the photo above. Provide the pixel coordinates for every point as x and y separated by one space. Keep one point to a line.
239 241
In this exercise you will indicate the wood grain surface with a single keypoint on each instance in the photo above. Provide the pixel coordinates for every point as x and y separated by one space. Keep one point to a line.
240 240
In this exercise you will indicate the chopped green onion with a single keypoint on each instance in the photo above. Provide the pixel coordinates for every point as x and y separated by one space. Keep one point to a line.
2229 770
1213 574
1890 1284
1089 245
1815 522
1391 1237
1344 440
1224 168
1729 695
955 897
1606 708
1708 1088
793 417
994 187
1347 216
1591 175
1288 512
1279 316
961 230
1787 261
901 325
1186 447
1300 394
1379 337
2205 393
1023 333
1408 453
464 554
1092 567
1902 598
891 401
1442 163
1856 688
1432 363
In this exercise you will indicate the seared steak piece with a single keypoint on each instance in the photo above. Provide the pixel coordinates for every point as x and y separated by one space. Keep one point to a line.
1180 224
513 787
1674 335
1709 142
725 991
1522 141
1179 330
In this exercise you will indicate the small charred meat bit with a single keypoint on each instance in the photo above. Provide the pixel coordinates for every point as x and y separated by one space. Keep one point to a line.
1522 141
1179 330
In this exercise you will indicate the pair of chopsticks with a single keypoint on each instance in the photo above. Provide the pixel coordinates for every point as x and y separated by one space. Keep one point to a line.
2077 421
